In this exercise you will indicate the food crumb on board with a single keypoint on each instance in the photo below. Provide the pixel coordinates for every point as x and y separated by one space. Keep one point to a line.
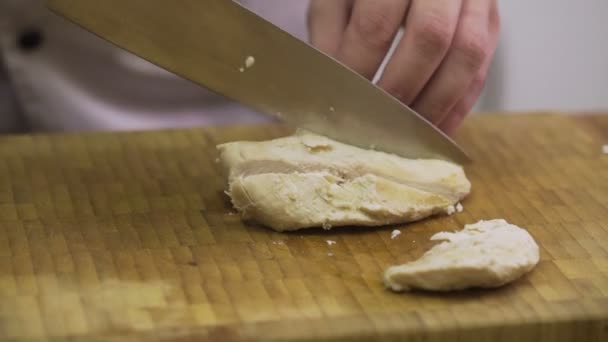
249 62
330 254
330 242
332 109
241 69
450 210
278 242
395 233
605 149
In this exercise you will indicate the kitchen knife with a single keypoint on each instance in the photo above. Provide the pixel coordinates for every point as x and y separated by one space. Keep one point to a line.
221 45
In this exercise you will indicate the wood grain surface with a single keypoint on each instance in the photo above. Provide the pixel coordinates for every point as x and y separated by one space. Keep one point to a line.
129 236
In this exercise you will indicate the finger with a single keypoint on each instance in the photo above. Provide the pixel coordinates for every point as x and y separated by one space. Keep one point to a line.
465 105
372 27
468 53
429 29
327 22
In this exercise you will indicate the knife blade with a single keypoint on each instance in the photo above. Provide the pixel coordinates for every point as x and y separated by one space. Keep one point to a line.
222 46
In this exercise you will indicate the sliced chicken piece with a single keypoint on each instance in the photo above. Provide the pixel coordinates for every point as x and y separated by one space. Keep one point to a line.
307 180
486 254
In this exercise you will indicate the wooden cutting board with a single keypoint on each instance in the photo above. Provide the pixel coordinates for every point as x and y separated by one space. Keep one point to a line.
129 236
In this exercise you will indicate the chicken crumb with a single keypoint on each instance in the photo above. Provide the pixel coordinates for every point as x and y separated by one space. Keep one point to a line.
459 208
331 242
249 62
330 254
450 210
605 149
395 233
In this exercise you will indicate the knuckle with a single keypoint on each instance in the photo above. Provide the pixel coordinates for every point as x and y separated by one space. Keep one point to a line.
376 27
315 10
440 110
401 91
495 18
436 110
496 24
478 82
433 36
316 7
472 48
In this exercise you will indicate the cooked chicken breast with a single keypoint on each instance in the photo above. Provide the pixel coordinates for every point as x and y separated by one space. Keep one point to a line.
483 255
307 180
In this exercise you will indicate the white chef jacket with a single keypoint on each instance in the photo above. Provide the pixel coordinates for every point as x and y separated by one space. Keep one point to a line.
57 77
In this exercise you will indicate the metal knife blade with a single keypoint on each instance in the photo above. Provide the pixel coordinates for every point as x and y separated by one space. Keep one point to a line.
230 50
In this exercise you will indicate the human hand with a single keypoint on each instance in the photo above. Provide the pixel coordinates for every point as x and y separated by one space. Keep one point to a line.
440 65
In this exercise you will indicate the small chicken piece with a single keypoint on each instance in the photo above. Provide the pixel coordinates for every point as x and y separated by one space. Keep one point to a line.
307 180
486 254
